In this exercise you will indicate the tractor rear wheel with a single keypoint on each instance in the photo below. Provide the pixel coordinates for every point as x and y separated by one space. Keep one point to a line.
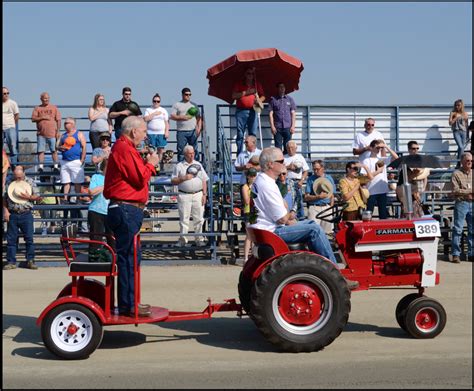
402 306
425 318
245 288
300 302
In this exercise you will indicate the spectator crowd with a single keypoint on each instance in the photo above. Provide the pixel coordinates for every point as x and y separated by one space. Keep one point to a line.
365 185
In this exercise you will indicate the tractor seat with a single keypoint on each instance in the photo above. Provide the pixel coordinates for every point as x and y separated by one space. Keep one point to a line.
297 246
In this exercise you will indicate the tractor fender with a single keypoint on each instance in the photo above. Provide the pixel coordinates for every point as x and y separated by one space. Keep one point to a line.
259 267
84 301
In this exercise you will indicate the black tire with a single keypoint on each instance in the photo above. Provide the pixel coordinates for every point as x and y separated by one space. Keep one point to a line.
402 306
245 289
55 335
425 318
300 302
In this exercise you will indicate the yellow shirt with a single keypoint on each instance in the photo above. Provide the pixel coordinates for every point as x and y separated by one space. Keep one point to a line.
355 202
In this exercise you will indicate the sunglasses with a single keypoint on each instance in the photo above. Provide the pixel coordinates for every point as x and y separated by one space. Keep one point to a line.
128 93
279 161
156 101
6 93
354 168
371 125
187 94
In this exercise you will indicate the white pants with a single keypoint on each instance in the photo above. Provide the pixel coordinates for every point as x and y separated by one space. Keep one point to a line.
313 210
72 171
190 205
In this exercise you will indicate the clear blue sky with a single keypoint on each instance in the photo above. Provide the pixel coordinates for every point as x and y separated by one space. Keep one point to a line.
353 53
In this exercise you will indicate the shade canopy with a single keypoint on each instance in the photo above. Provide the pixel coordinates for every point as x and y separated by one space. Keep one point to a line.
271 66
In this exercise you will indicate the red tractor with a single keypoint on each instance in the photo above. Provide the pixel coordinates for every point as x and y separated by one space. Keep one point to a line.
299 300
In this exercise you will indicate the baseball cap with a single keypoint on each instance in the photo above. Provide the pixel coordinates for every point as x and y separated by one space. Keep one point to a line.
251 172
105 135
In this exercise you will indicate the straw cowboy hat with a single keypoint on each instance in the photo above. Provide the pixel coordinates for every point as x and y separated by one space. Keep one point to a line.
16 188
420 174
167 156
323 185
365 194
255 160
363 179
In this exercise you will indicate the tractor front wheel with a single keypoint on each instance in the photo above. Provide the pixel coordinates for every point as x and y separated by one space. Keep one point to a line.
425 318
300 302
402 306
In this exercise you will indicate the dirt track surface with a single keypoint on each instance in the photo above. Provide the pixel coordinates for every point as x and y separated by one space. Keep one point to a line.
228 352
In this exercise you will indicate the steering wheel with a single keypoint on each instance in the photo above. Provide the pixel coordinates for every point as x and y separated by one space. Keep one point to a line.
333 214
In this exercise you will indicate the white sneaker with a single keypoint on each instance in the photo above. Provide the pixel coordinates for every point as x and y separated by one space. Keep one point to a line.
200 243
181 243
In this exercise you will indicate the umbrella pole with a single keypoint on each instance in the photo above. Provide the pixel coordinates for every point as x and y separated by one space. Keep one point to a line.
260 130
407 193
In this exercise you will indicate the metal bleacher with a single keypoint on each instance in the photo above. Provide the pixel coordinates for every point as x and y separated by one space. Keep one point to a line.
160 229
326 132
322 132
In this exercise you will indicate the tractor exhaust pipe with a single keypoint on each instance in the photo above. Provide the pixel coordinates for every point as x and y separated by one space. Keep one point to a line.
407 193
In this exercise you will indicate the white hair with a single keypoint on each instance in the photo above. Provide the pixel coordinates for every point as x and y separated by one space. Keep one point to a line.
268 155
130 123
188 148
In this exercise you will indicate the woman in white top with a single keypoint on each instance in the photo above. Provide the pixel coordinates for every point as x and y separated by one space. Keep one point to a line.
158 126
100 122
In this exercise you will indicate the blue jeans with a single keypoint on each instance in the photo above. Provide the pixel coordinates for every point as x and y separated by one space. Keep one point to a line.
281 137
20 223
10 136
125 222
245 118
307 231
298 201
381 201
184 137
460 138
462 211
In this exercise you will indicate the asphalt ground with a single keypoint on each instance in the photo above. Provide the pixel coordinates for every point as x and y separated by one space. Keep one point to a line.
229 352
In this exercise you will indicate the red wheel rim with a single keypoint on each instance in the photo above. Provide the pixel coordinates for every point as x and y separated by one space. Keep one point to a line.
300 303
427 319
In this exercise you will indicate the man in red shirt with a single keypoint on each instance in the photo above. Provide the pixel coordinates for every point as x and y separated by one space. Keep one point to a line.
247 92
126 186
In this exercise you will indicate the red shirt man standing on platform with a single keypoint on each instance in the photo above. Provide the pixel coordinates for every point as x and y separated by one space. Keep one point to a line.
126 186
